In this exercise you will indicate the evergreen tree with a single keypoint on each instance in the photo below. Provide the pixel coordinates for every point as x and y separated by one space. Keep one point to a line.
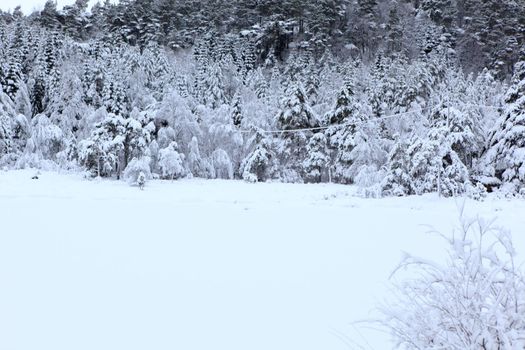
295 115
49 17
6 125
114 95
138 131
367 157
237 111
398 180
258 165
214 87
12 78
101 152
435 166
342 122
506 154
395 30
38 94
75 19
317 160
441 12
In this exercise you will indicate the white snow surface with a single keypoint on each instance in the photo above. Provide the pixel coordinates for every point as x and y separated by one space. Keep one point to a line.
208 264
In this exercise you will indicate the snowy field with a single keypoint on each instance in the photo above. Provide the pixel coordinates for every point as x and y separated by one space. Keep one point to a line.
202 264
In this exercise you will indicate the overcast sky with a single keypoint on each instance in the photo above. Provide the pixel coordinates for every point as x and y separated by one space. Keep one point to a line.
29 5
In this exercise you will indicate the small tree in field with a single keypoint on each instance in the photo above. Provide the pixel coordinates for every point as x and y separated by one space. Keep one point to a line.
138 168
476 300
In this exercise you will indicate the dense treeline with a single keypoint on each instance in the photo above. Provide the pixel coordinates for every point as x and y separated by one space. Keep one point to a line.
399 97
479 33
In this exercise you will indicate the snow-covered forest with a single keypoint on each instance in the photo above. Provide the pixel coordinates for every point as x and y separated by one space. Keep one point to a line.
257 133
399 97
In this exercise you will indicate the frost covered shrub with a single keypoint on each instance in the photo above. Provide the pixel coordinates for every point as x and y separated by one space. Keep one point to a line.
135 167
477 192
369 180
171 162
198 166
222 164
292 176
475 300
369 151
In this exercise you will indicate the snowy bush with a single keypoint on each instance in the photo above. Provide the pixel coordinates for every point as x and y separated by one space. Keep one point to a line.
222 165
369 180
475 300
47 137
369 151
288 175
198 166
135 167
477 192
171 162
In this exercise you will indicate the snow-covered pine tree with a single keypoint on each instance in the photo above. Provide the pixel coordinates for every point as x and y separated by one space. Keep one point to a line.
368 156
398 180
259 83
38 94
435 166
316 163
505 157
6 124
237 116
394 28
295 115
258 166
157 69
213 86
49 16
114 95
101 152
139 128
22 101
13 76
342 122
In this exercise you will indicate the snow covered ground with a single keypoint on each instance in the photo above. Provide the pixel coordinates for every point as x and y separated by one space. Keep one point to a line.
201 264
